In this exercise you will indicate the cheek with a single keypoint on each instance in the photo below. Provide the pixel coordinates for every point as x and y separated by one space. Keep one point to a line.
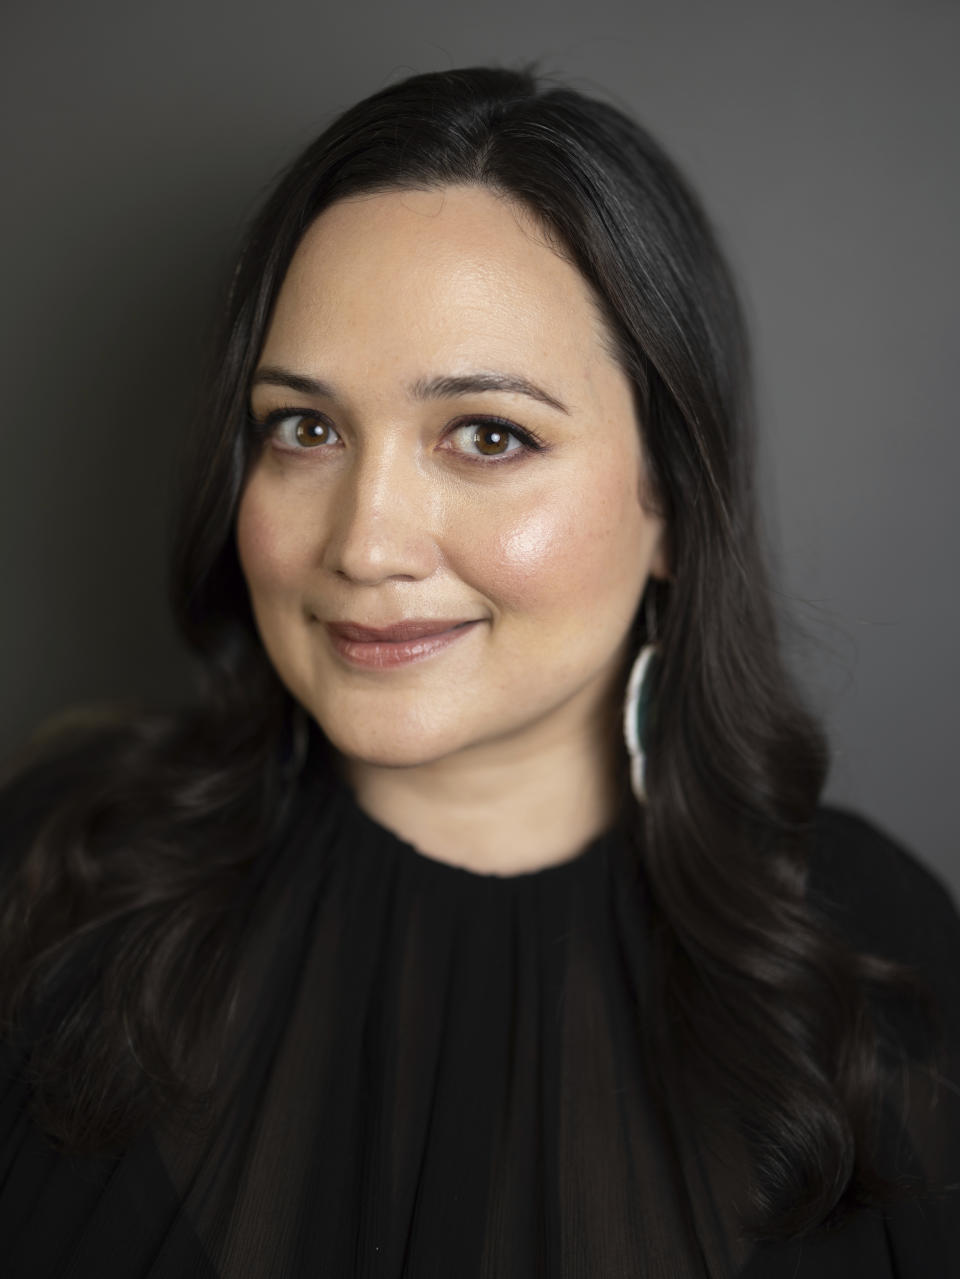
579 544
272 551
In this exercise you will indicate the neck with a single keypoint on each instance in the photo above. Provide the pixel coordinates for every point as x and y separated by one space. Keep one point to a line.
509 806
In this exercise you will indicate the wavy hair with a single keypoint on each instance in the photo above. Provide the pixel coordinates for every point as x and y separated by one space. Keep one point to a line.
144 831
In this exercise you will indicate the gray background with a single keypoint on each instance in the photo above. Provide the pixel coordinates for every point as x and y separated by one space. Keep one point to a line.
138 138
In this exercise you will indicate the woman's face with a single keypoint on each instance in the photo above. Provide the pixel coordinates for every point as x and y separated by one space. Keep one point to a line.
398 482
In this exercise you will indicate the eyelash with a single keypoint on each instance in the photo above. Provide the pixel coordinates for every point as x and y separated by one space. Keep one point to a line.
530 442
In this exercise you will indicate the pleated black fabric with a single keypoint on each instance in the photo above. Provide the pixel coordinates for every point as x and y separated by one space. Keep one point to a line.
434 1072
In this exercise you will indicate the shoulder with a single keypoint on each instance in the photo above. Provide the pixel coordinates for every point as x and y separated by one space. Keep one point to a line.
884 898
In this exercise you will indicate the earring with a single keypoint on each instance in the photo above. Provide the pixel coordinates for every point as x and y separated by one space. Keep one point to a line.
637 703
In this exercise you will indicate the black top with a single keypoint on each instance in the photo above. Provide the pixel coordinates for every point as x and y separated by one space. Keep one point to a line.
439 1073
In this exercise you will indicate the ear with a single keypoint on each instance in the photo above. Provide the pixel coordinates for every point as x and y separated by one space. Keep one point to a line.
659 557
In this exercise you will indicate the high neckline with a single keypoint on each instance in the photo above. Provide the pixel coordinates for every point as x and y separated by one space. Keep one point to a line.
383 840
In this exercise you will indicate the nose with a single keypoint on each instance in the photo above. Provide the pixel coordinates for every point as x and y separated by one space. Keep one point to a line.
383 517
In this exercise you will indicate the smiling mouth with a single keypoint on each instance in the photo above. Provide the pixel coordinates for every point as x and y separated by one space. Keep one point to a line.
412 641
408 629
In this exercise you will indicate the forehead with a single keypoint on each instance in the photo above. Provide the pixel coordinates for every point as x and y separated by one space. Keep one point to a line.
458 272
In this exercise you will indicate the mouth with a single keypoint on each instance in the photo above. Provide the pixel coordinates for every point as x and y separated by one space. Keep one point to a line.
408 629
397 645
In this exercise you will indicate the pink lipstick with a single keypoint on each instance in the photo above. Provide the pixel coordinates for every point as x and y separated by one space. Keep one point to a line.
397 645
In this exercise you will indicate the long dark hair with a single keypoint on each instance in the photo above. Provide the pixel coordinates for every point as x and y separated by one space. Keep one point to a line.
139 838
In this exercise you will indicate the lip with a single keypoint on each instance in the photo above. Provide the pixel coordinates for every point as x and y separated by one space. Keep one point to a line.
398 645
409 629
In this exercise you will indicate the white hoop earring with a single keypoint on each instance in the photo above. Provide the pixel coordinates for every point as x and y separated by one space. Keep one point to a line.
636 706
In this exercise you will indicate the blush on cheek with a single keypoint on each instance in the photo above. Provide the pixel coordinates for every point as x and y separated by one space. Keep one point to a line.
269 545
253 539
531 544
568 549
540 556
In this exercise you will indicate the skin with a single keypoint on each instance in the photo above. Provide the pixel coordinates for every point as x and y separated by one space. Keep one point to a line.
498 753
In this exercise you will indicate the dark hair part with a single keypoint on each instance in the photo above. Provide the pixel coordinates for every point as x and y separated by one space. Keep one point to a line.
159 819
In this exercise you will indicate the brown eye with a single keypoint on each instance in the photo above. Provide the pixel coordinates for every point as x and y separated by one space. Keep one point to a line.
309 431
491 439
300 431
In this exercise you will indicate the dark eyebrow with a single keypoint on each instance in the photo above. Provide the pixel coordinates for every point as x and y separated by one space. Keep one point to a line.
471 383
423 389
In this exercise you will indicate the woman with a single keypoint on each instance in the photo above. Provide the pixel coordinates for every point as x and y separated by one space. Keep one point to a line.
480 917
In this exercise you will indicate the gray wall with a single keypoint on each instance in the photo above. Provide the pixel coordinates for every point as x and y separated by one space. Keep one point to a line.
822 136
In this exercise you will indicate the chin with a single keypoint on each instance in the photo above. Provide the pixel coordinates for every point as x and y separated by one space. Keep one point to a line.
381 746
